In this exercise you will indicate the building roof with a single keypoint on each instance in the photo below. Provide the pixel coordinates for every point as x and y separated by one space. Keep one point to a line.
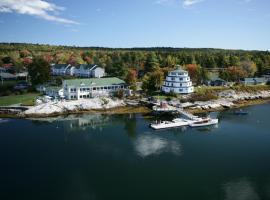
217 79
179 70
94 82
53 88
86 66
22 74
254 79
7 75
59 66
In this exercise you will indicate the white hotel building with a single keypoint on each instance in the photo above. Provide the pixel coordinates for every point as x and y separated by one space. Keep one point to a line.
178 82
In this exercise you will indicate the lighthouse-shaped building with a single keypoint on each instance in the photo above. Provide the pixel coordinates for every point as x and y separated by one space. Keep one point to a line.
178 81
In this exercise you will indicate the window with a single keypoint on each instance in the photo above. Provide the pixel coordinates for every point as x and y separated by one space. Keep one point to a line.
84 96
181 79
105 88
173 79
180 90
94 88
80 96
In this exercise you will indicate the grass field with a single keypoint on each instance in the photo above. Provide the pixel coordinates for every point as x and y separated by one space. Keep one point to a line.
25 99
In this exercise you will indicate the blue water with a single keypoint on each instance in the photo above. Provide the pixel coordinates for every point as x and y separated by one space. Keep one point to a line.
120 157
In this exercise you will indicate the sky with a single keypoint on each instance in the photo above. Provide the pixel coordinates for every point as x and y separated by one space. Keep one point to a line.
229 24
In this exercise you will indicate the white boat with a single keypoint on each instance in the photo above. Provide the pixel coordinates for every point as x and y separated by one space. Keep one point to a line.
204 122
178 122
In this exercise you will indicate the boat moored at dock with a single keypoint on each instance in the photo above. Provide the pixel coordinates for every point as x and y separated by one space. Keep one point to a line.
178 122
204 122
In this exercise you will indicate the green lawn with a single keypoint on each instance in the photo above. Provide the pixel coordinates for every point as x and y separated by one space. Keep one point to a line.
25 99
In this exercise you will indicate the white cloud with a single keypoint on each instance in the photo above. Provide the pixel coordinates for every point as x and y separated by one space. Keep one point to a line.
39 8
188 3
154 145
240 190
165 2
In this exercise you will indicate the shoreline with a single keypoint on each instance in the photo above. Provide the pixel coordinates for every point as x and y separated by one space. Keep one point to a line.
238 104
116 110
137 109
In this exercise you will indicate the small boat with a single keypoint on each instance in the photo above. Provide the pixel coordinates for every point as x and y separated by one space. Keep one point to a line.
178 122
240 112
204 122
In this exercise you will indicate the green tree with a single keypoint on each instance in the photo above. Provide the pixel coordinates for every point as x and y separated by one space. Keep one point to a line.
151 62
153 81
39 71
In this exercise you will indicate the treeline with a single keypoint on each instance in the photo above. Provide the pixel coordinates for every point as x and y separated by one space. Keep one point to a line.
117 62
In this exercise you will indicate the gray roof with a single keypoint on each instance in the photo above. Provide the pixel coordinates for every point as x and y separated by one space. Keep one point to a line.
7 75
86 66
254 79
217 79
59 66
94 82
2 69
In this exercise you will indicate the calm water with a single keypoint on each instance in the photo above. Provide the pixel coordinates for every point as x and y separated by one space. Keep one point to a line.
119 157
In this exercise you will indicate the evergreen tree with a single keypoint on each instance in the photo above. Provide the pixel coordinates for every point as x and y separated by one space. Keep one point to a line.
39 71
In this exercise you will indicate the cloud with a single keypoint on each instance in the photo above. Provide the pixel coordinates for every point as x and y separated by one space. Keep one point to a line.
38 8
152 145
188 3
165 2
240 190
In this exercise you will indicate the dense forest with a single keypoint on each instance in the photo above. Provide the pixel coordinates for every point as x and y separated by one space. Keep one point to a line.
117 62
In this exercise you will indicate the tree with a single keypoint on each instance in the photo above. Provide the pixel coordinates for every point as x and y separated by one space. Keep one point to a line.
153 81
249 67
117 69
193 71
233 74
39 71
203 75
234 60
151 62
131 79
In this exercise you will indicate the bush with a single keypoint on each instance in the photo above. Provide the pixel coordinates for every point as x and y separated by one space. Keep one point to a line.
202 97
120 94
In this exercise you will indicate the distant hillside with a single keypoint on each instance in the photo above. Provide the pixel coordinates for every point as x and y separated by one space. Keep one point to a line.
117 61
45 47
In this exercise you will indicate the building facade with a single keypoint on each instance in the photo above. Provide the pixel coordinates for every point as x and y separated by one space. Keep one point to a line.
94 87
253 81
83 70
178 81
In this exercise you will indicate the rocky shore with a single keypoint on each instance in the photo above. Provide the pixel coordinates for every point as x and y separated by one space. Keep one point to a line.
229 99
53 108
226 100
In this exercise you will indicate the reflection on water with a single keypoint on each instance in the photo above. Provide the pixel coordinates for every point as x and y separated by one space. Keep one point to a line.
77 122
148 145
240 190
